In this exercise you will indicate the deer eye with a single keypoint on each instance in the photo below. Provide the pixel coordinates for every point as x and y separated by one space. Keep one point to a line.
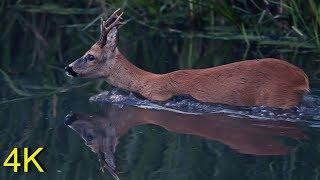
90 57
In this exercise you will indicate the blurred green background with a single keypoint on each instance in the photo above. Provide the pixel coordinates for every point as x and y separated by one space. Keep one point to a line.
38 38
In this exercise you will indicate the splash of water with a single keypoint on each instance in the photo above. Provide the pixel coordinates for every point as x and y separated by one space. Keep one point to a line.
308 110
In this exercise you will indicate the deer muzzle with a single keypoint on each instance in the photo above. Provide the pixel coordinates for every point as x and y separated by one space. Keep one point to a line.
70 71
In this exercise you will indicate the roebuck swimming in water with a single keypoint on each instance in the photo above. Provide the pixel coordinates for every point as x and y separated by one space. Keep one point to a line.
262 82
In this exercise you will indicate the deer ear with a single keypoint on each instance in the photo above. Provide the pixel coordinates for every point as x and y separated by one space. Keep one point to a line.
112 38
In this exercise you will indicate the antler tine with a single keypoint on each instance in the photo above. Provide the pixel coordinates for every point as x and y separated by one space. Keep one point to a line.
112 16
106 26
101 24
115 23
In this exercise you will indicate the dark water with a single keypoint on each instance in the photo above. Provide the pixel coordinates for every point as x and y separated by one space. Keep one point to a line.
137 139
245 133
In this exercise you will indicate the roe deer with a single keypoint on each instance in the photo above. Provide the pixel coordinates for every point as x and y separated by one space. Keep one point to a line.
262 82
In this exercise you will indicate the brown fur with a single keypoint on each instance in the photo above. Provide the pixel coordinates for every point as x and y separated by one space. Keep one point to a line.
263 82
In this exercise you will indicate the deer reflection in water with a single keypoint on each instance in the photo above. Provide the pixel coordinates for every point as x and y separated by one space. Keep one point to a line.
245 135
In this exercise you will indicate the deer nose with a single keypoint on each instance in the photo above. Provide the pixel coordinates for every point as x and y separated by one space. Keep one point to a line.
70 71
70 118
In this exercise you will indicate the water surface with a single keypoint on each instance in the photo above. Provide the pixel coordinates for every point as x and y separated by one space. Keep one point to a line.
180 139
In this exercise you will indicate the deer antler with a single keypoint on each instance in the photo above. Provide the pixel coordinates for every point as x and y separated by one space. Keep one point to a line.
106 26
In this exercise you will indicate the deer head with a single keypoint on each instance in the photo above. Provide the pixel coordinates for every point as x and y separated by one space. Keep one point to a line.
99 134
99 59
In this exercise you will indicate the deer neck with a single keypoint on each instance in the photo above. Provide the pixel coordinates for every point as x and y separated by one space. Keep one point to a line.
126 118
127 76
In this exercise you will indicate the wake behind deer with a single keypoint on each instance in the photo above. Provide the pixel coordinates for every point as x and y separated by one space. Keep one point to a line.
261 82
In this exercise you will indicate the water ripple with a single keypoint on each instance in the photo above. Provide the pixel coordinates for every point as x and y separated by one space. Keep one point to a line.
308 110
